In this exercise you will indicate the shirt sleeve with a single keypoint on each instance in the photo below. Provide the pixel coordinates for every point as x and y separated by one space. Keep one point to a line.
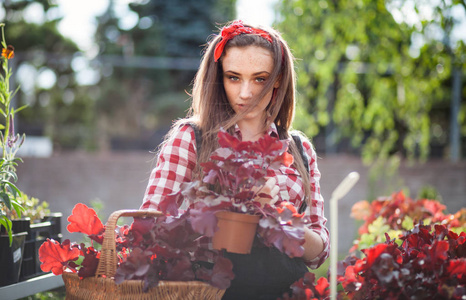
175 164
316 210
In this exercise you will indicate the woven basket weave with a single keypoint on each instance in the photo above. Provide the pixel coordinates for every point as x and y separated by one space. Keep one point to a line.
102 286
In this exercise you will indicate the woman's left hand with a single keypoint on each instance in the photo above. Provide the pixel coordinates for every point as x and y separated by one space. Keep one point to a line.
271 189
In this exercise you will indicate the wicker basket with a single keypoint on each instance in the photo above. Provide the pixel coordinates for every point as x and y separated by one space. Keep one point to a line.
102 286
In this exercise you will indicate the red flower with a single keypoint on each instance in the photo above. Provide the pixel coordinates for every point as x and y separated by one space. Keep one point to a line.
8 52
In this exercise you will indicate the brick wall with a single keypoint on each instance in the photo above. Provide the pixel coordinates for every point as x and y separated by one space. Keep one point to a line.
119 181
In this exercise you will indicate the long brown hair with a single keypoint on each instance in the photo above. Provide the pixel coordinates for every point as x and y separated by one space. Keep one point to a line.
211 110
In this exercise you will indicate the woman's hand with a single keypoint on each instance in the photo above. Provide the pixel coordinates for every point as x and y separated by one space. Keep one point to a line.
271 189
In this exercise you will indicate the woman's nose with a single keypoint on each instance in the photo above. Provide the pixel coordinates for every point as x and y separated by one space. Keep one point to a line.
246 91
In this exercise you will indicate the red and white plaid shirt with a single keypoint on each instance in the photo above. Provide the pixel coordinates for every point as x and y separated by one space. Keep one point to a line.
177 159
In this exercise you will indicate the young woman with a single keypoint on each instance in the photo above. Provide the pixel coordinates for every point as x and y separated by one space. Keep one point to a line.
246 84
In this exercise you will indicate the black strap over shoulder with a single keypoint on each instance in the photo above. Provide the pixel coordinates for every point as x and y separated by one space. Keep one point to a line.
299 145
197 135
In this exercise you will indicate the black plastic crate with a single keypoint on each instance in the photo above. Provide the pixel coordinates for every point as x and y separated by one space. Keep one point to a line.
37 234
55 220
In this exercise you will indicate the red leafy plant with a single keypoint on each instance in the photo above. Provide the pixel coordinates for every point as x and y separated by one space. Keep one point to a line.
398 213
165 248
232 180
427 261
306 288
395 208
429 264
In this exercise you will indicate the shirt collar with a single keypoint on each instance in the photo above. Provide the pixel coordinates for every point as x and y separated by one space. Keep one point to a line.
272 131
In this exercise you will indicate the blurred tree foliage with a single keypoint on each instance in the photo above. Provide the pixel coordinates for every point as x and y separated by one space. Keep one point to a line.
56 108
148 69
364 77
129 100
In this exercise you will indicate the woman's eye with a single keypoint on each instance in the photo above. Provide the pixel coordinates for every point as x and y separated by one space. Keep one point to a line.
233 78
260 79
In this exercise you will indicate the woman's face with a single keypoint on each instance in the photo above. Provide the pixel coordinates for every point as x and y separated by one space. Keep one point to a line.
245 73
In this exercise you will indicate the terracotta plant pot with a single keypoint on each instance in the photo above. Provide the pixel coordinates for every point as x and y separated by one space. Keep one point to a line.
236 232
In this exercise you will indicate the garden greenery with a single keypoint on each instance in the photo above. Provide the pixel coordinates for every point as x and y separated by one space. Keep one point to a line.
9 143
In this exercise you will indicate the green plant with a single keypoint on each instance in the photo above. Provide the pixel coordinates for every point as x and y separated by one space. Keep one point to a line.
9 142
33 208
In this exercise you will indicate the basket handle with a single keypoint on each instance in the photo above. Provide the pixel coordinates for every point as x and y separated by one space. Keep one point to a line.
108 255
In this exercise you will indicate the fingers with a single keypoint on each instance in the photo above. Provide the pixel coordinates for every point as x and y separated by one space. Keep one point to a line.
269 185
275 191
270 188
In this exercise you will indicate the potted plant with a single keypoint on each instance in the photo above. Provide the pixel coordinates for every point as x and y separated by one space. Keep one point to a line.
174 247
146 256
40 224
233 179
12 237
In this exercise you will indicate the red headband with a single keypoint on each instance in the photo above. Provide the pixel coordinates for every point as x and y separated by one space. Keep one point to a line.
233 30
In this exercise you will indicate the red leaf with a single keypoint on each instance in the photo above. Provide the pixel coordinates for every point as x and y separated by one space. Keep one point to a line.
322 287
169 204
90 263
222 273
139 228
204 221
226 140
180 269
268 145
361 210
85 220
351 281
221 154
457 267
55 256
285 158
439 251
373 253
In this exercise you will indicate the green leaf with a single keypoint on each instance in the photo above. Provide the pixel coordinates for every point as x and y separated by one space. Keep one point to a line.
13 189
17 207
6 199
8 226
9 174
14 93
5 222
21 108
407 223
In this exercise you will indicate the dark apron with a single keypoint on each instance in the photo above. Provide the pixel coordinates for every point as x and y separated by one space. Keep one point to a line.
266 273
